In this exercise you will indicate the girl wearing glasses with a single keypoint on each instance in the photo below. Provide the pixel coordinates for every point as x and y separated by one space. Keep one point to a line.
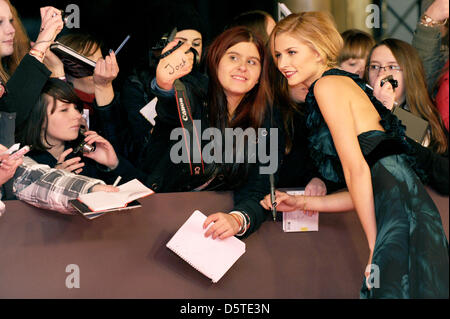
356 141
399 59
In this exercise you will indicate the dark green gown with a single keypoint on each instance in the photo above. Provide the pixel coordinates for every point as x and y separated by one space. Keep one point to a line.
411 249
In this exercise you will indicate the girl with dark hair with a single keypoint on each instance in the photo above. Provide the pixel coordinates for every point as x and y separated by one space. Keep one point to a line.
237 96
53 131
260 22
95 91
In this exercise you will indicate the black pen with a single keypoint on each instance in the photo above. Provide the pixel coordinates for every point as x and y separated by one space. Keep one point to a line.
169 52
272 197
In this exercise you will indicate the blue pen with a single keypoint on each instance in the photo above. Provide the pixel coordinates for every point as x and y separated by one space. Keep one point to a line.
121 45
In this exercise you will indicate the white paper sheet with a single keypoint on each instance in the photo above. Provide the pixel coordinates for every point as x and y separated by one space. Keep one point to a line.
298 221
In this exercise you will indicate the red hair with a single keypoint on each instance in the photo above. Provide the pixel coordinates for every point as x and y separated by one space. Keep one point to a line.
21 47
251 110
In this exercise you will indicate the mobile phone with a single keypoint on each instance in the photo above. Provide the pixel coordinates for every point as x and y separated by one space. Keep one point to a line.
12 149
20 153
391 80
80 145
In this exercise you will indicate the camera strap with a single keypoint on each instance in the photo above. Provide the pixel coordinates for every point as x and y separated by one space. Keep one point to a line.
187 122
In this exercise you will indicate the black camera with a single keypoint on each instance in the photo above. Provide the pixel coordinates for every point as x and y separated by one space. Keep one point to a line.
391 80
164 41
80 145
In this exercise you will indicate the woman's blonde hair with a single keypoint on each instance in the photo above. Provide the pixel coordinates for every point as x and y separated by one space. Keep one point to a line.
316 29
21 47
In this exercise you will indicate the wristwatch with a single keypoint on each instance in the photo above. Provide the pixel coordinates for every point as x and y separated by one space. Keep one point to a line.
427 21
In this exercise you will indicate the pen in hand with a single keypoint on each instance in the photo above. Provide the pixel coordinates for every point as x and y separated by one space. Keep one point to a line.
117 181
121 45
272 197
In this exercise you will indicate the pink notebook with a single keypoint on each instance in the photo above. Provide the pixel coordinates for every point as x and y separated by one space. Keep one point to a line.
211 257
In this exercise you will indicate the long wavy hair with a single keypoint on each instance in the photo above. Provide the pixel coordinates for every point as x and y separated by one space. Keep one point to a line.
21 47
417 97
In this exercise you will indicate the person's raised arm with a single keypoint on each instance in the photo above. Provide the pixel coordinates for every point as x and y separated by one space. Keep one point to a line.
427 40
106 70
31 74
51 26
174 66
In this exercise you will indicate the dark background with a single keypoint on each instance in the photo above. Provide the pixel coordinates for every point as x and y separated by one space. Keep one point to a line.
113 20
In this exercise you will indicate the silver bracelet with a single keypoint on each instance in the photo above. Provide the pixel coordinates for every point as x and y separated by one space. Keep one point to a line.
243 228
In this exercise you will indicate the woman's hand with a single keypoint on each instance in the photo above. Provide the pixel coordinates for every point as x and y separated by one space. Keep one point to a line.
438 10
368 269
174 66
315 187
7 166
54 64
104 152
385 94
224 226
106 70
51 26
72 165
104 188
285 202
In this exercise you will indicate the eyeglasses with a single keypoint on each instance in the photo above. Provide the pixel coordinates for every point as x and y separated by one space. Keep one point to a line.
391 68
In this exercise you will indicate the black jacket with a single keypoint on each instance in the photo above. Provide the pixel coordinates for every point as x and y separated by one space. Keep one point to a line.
24 88
157 170
133 130
434 165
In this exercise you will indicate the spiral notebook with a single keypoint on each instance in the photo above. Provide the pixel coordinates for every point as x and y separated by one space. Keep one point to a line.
212 257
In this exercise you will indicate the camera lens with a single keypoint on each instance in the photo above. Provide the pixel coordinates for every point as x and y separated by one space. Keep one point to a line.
88 148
